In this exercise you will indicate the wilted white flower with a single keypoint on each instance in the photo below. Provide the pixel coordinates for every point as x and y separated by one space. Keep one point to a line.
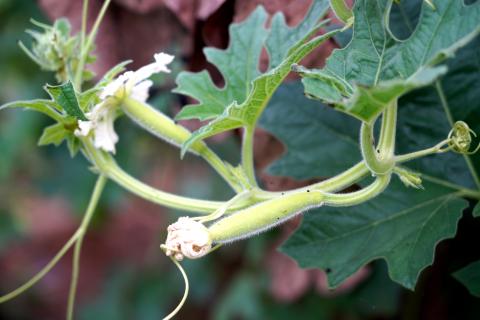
100 122
187 238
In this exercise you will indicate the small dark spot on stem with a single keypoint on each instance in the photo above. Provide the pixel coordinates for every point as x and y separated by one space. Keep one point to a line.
328 270
308 190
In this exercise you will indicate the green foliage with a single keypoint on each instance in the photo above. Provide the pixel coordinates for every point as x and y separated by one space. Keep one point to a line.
314 137
375 67
401 226
470 277
242 107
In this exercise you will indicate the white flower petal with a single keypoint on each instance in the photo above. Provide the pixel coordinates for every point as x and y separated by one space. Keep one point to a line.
105 136
140 91
162 60
112 88
84 128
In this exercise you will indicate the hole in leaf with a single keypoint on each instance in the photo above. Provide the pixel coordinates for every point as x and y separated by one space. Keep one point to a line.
404 18
469 2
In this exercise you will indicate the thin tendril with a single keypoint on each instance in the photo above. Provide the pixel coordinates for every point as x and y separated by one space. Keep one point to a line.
185 294
97 192
30 283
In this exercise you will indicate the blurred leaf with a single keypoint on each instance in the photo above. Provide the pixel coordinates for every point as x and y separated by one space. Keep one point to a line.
401 226
46 107
470 277
242 301
53 134
314 137
66 97
375 58
476 211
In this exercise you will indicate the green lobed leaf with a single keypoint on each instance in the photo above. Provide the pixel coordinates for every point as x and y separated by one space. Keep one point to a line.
233 110
470 278
238 65
401 226
247 113
64 95
374 56
54 134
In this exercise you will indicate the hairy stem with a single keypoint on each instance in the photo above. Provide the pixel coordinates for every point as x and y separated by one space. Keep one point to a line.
99 186
247 155
265 215
166 129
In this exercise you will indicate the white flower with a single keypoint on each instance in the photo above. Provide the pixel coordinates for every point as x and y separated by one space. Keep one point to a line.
100 121
135 83
187 238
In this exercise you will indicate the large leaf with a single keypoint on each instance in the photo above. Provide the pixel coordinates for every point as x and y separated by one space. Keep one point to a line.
314 137
470 277
401 226
240 103
375 58
321 142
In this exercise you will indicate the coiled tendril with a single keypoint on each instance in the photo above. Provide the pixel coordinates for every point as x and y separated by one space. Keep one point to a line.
460 138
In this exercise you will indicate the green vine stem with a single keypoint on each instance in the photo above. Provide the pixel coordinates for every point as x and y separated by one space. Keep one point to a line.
76 236
380 161
247 155
166 129
106 165
97 191
88 44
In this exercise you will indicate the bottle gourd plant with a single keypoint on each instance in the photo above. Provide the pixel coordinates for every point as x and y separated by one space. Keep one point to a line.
367 114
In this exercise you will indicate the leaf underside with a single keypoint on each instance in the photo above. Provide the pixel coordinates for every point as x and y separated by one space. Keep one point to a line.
375 68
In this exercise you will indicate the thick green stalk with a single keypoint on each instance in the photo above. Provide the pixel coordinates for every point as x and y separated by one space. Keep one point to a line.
265 215
166 129
380 161
99 186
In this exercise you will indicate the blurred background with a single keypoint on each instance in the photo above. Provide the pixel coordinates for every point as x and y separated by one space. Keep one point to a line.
124 275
